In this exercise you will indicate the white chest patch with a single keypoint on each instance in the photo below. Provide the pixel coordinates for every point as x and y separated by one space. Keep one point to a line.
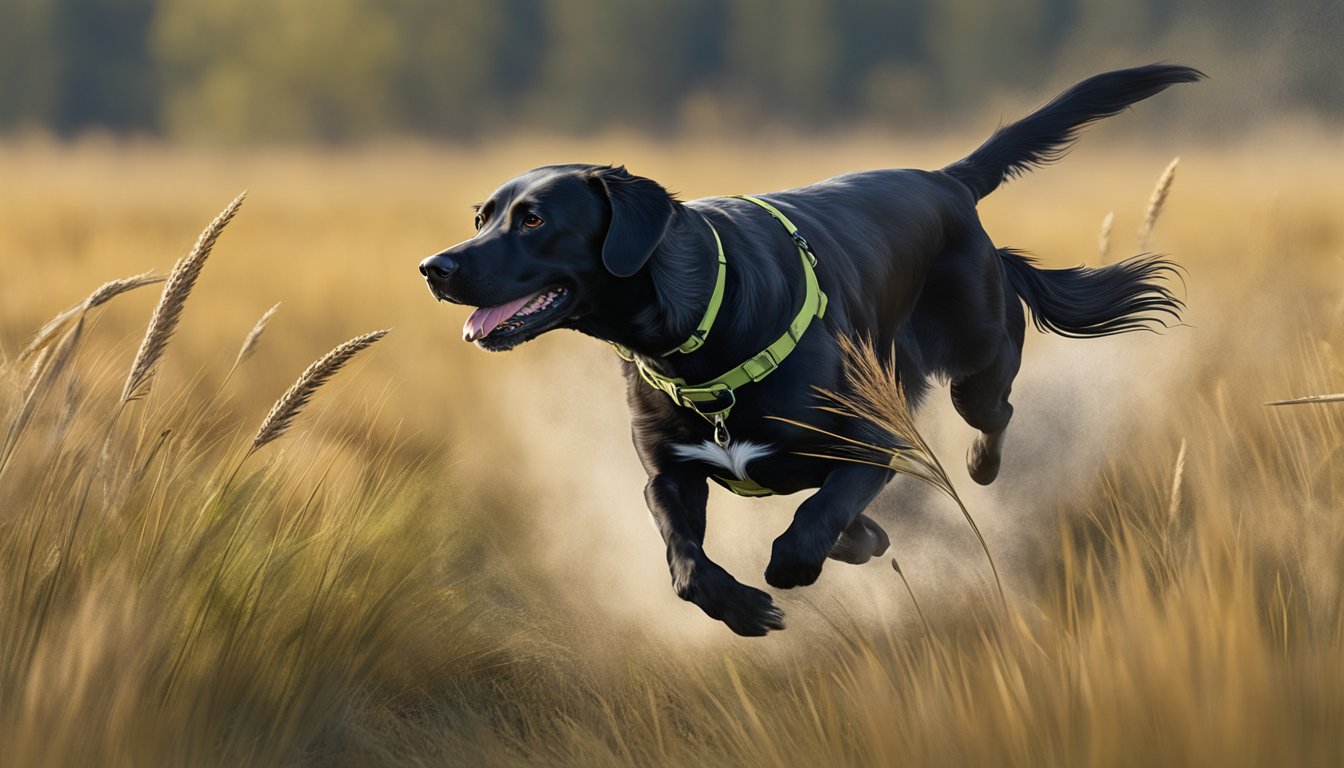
734 458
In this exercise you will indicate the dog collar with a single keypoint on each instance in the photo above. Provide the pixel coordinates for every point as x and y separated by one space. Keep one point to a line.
714 399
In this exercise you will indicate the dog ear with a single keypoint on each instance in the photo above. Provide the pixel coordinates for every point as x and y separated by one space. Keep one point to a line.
641 210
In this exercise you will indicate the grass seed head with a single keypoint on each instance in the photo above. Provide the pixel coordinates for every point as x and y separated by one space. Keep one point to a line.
103 294
169 310
1156 202
250 343
290 404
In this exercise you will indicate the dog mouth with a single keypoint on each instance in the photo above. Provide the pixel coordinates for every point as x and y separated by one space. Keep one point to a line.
517 320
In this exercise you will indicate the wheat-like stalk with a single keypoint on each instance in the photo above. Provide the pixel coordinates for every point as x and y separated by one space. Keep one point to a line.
47 332
104 293
1339 398
1104 237
1177 480
114 288
244 352
38 366
20 420
895 566
46 369
290 404
875 395
250 343
169 310
1155 203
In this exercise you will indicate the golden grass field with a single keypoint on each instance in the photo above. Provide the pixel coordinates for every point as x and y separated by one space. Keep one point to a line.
447 559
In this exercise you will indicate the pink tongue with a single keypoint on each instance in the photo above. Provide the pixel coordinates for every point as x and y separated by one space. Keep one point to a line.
486 319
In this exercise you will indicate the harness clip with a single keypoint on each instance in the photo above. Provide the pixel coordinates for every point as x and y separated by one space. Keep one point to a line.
806 246
721 436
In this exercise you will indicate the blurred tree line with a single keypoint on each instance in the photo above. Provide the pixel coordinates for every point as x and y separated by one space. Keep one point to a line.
339 69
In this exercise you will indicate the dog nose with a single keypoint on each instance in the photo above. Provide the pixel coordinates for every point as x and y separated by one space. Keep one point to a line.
438 267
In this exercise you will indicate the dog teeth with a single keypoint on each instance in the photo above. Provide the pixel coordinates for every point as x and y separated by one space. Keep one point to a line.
540 302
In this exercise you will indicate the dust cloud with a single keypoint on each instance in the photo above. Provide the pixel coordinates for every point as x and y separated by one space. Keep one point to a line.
566 428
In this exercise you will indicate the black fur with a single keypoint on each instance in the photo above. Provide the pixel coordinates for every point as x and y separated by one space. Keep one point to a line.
1082 302
904 262
1045 135
641 211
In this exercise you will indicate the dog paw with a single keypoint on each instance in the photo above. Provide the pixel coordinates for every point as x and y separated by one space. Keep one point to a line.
792 565
984 457
746 610
863 540
751 613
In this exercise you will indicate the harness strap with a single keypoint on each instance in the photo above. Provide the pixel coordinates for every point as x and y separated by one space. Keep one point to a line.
801 241
701 332
746 487
714 399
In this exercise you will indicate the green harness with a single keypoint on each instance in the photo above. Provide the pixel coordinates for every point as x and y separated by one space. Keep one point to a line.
714 399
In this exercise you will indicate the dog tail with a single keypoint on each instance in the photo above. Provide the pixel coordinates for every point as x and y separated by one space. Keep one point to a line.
1082 302
1045 135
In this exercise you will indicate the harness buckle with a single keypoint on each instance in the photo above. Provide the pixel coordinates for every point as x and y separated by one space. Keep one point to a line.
761 365
623 352
694 342
806 247
696 398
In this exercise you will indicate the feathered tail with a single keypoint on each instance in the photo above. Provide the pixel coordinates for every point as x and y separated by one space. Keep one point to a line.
1046 134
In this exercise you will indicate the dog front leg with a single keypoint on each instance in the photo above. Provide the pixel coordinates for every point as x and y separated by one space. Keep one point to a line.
799 553
677 501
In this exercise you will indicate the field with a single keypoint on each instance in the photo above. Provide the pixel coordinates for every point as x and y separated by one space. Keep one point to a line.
446 559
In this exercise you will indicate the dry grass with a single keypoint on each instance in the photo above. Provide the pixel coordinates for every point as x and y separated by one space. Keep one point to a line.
1104 237
876 396
176 290
104 293
447 561
287 408
253 337
1155 203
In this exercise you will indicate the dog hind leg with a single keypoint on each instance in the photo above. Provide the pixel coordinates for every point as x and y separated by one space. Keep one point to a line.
863 540
984 456
982 399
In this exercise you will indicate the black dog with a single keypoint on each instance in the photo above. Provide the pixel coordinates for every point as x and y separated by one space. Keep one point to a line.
901 259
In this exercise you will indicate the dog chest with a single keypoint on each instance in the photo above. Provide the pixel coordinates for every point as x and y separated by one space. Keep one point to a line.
732 458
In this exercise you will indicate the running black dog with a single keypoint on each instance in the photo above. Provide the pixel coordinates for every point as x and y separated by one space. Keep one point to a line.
727 310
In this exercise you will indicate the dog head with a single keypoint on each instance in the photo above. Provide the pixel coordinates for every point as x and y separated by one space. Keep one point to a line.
552 246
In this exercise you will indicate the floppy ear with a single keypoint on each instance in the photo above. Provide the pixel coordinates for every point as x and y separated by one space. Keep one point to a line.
640 213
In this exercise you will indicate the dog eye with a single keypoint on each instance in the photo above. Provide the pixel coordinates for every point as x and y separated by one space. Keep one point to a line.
480 221
532 221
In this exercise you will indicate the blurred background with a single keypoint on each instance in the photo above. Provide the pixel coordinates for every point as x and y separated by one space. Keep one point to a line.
341 70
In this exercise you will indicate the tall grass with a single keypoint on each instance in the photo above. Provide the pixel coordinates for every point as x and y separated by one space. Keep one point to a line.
179 619
348 600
